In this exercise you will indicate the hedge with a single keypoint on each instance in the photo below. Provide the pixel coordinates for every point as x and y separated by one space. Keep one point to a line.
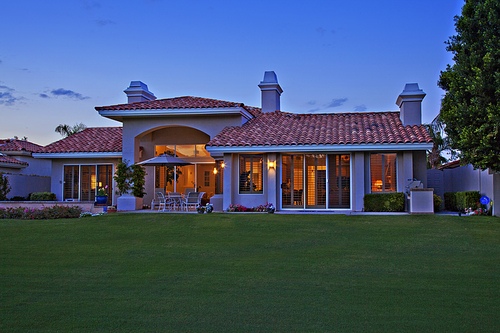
384 202
43 213
43 196
459 201
437 202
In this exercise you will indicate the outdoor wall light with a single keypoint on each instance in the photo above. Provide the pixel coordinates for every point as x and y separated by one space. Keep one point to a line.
271 164
222 165
215 171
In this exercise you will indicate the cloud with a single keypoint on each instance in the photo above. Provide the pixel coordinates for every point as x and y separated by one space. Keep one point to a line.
68 93
6 96
44 96
336 102
361 107
314 110
88 5
311 103
321 31
103 23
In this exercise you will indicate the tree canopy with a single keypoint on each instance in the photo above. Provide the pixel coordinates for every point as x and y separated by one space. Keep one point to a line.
67 130
470 108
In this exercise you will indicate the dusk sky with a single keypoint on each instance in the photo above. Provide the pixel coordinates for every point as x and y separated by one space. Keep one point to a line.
60 59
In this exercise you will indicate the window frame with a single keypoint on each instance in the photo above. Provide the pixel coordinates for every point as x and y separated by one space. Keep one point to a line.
251 156
384 159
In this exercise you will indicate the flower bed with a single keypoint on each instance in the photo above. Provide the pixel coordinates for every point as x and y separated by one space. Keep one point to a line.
42 213
240 208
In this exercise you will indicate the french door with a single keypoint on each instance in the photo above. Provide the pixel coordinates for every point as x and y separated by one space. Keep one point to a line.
316 181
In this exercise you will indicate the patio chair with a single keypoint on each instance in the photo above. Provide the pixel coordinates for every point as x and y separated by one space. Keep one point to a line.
159 201
175 198
188 190
193 199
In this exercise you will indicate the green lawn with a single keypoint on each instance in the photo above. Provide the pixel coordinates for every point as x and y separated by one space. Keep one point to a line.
250 273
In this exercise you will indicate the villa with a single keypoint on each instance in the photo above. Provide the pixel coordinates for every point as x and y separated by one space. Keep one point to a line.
247 155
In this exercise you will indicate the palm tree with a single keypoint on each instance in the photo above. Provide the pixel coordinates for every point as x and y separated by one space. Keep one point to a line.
440 144
66 130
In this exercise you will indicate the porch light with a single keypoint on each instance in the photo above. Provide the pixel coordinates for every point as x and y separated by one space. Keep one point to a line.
222 165
215 171
271 164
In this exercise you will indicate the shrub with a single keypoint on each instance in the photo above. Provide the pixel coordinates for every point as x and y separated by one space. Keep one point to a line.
450 202
42 196
4 187
460 201
437 203
240 208
384 202
43 213
19 198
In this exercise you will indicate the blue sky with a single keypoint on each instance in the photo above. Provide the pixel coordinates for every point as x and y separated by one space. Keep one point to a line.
60 59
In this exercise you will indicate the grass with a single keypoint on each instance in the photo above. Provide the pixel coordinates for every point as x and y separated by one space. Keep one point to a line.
250 273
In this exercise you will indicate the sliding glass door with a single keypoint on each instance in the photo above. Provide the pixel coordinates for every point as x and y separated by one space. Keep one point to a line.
316 181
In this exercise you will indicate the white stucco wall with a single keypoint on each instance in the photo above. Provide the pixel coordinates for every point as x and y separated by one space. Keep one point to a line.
23 185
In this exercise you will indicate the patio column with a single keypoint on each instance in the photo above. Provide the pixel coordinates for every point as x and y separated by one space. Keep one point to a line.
271 179
227 183
358 176
130 152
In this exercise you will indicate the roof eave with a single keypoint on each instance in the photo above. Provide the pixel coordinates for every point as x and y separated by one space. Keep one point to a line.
120 114
79 155
320 148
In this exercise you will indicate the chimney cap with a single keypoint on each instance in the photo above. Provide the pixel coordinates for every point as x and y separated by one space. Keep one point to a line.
270 82
138 91
411 93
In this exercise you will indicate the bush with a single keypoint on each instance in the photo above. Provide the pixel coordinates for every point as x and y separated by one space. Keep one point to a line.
43 213
450 202
240 208
384 202
460 201
437 203
4 187
42 196
18 198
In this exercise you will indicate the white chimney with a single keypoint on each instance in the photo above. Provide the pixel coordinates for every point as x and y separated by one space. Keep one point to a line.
138 92
410 104
271 92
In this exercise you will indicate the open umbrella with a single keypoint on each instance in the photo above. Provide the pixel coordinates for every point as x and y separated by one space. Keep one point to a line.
164 160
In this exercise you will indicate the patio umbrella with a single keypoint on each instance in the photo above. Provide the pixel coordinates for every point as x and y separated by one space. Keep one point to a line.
164 160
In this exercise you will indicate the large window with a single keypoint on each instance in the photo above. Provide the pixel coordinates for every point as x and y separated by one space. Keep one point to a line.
182 150
251 174
82 181
383 172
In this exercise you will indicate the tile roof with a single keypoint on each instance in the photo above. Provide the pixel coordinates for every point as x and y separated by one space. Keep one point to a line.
185 102
19 145
11 160
90 140
281 128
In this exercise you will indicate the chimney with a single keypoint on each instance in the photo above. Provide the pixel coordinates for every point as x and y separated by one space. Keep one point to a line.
138 92
271 92
410 104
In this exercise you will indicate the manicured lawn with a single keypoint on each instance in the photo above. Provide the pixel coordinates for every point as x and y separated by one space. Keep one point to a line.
250 273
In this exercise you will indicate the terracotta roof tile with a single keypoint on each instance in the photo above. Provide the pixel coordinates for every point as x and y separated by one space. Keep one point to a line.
90 140
19 145
11 160
281 128
185 102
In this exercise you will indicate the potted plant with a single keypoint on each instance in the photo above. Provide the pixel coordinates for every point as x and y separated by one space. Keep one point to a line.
102 196
200 209
271 209
209 208
111 209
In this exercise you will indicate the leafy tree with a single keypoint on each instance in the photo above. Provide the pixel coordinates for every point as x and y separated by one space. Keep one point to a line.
130 178
441 144
4 187
66 130
471 107
122 177
138 175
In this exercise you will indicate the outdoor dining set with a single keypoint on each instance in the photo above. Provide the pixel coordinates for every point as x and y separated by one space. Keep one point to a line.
176 201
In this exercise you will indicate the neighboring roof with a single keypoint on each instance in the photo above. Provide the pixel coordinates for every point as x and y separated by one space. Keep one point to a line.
90 140
4 159
289 129
185 102
19 145
451 165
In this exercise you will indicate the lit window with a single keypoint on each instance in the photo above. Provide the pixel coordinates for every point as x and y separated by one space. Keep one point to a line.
383 172
251 174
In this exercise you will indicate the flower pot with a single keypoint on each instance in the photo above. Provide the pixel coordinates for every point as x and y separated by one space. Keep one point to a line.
201 211
111 210
101 199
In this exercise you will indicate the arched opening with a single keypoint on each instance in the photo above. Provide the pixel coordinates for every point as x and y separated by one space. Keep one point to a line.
187 144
